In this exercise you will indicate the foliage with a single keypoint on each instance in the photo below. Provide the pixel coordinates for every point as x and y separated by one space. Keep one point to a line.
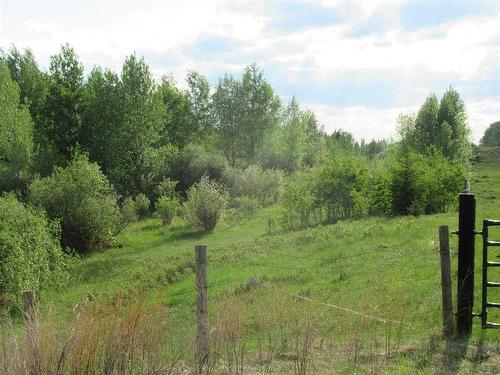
157 164
64 100
142 116
30 254
179 125
254 182
244 207
439 126
128 211
33 86
102 118
167 207
206 203
272 185
201 104
193 162
341 142
424 184
299 203
81 197
379 190
342 186
167 188
16 135
373 149
298 141
491 137
142 204
245 111
293 136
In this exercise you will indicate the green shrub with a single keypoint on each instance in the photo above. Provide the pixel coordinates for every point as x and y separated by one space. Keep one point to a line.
424 184
16 135
142 204
245 207
206 203
167 207
30 253
194 162
264 185
272 185
342 186
83 200
167 188
379 191
299 202
128 211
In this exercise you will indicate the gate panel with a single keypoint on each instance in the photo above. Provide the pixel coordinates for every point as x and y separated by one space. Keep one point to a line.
488 284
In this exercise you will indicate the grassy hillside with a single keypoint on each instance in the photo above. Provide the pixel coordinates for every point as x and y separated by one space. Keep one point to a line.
348 276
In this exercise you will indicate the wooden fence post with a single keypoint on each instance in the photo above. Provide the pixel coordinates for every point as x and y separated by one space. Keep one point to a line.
201 307
444 252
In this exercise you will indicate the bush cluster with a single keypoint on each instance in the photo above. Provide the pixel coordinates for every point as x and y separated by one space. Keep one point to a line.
262 185
142 204
407 183
81 197
128 211
206 203
30 253
167 207
244 208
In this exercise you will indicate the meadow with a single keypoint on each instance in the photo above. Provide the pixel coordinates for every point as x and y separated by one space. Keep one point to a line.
358 296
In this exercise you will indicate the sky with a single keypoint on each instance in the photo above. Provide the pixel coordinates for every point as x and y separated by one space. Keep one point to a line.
357 64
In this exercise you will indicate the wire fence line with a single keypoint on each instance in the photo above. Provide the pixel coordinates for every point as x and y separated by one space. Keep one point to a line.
368 316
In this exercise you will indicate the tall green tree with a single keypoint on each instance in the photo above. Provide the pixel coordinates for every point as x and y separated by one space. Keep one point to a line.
227 101
441 127
315 148
102 115
293 135
180 125
16 135
201 103
260 110
453 115
491 137
428 131
33 83
142 116
63 105
245 111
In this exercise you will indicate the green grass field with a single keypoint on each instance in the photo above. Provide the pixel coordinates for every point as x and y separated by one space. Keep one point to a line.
377 267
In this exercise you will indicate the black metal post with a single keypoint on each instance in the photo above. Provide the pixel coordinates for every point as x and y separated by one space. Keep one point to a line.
466 232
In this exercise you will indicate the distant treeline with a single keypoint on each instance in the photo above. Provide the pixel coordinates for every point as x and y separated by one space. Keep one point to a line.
135 127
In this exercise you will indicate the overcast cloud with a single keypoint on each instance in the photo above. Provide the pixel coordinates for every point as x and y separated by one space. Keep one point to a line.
358 64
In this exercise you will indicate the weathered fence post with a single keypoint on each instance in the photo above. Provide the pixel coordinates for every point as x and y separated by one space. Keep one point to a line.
444 252
201 307
466 233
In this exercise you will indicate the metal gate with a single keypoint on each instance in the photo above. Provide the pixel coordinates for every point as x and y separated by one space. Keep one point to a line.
485 283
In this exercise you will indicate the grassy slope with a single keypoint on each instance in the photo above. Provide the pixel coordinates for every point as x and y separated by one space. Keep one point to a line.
382 266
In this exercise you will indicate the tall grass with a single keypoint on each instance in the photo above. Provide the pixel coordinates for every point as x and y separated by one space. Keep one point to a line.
121 337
